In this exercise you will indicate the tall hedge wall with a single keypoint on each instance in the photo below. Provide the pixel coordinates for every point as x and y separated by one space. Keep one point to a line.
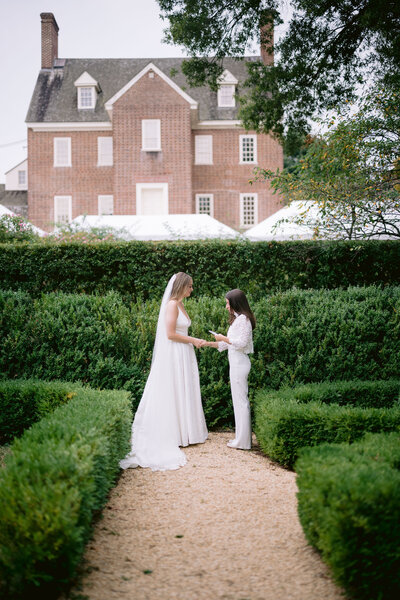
141 269
301 337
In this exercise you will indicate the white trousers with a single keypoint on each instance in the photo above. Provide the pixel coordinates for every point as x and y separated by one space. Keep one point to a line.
239 368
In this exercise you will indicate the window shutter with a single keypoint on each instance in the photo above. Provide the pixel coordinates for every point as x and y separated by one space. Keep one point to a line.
104 151
203 150
62 209
62 152
151 134
106 205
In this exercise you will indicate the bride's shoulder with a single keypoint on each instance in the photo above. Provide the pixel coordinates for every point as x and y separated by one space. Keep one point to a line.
172 304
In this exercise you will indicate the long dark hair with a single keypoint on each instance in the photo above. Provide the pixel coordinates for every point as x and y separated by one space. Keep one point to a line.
239 304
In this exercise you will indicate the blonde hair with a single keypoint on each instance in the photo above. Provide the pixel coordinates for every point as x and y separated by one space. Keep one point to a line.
182 280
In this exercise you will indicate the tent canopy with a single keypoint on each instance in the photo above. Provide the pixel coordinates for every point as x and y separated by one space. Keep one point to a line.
287 230
6 211
158 227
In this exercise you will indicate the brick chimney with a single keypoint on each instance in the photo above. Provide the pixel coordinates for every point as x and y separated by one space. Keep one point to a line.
49 40
267 42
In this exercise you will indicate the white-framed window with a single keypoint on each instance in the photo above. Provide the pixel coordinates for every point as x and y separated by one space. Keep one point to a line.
203 150
106 204
22 177
152 198
62 152
86 97
62 209
248 148
205 204
104 151
151 135
226 96
248 210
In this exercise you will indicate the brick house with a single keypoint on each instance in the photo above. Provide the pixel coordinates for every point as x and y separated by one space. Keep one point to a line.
128 136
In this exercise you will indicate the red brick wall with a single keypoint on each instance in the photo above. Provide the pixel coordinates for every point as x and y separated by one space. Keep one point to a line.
227 179
152 98
148 99
84 181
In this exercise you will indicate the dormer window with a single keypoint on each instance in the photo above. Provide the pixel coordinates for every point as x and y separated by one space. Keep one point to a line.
227 90
87 90
86 97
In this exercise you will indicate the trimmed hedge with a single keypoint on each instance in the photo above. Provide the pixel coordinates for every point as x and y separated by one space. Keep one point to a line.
289 419
24 402
56 476
140 269
349 507
301 336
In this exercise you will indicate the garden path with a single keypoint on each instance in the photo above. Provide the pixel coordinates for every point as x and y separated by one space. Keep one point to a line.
223 527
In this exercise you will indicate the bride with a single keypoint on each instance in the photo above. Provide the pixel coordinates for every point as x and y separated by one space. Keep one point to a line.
170 413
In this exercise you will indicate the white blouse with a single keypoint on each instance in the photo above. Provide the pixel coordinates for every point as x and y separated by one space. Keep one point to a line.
240 335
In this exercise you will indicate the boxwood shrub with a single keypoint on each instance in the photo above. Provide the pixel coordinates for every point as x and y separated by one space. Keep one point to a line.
349 507
105 341
140 269
288 419
22 403
57 475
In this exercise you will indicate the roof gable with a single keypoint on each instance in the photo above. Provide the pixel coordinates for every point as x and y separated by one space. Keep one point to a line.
150 67
85 80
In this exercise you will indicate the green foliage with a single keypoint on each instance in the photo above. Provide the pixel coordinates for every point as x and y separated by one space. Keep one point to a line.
327 50
57 475
289 419
349 507
16 229
301 337
349 173
23 402
140 270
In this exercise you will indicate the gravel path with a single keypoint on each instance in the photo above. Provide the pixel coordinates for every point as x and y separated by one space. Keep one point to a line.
223 527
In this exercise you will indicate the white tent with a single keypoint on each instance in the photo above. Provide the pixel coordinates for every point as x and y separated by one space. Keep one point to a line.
287 229
6 211
158 227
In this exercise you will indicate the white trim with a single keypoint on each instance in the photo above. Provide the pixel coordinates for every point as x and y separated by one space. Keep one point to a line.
101 153
227 77
55 161
255 197
86 80
156 148
72 126
220 124
248 162
141 186
101 197
150 67
205 195
198 151
69 198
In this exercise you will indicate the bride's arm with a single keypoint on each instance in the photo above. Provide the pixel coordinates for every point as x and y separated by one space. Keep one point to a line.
171 315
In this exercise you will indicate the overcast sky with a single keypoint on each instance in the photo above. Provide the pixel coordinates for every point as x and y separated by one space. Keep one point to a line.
87 29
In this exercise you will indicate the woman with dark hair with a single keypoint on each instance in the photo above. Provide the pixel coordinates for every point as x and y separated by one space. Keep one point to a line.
170 413
239 343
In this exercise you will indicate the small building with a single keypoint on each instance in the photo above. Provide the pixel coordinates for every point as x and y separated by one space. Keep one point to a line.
14 194
129 137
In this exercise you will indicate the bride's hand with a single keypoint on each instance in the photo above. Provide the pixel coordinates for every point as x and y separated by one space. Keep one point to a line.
199 343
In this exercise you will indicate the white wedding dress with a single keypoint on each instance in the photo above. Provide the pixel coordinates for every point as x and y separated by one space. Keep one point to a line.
170 413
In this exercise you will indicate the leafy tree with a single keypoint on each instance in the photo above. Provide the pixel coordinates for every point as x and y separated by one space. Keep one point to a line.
351 173
329 48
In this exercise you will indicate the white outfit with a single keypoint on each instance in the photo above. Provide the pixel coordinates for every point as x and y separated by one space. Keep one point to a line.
240 335
170 413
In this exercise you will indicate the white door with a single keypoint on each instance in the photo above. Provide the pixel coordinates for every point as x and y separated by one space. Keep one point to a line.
152 199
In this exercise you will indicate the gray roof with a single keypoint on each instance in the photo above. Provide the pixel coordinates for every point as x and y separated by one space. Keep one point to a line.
55 99
14 200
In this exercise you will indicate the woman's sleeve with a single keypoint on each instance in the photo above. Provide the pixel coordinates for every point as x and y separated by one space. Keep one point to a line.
240 334
222 346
